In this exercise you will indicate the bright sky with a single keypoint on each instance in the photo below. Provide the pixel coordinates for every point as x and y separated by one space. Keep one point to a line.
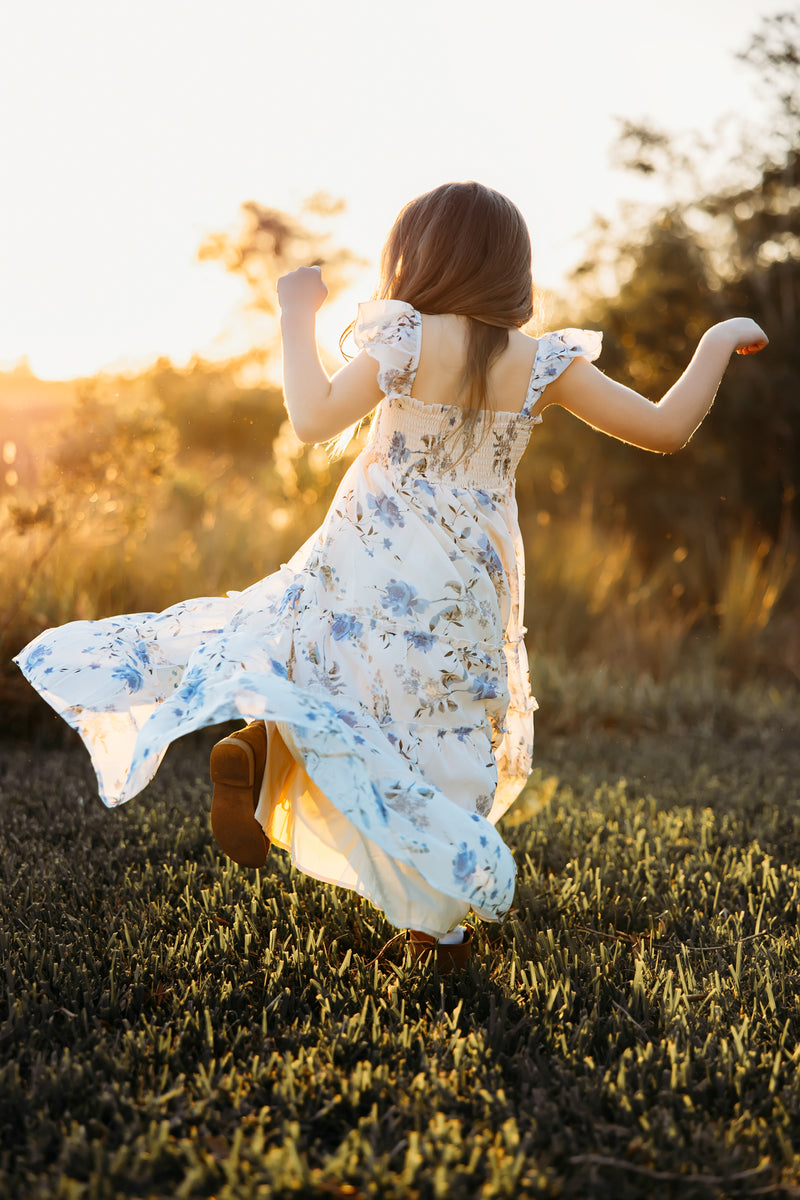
129 131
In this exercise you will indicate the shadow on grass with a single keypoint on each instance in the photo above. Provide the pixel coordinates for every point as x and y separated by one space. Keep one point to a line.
173 1025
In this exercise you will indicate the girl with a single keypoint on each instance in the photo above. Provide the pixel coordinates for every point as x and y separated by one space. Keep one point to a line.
382 669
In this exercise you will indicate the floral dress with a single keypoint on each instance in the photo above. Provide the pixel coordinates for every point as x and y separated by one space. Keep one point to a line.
387 658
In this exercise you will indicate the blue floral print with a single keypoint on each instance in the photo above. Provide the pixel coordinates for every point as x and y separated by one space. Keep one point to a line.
192 687
484 687
290 597
380 804
401 599
397 449
420 641
141 652
129 675
462 732
345 625
34 658
464 862
386 656
386 509
421 485
488 557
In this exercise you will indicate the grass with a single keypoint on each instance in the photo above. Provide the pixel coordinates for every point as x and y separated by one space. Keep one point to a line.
176 1026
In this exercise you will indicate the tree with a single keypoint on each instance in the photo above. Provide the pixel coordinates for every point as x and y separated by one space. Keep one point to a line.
269 243
724 251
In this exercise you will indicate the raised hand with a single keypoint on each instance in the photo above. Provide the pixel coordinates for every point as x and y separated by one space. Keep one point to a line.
302 288
750 338
740 334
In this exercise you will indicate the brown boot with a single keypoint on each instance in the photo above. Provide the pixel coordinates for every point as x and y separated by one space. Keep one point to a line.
237 769
427 949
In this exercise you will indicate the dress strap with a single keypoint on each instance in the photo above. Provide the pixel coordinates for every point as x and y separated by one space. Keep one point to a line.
391 332
556 351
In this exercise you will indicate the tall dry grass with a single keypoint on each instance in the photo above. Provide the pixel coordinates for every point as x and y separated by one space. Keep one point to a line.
591 596
208 529
173 485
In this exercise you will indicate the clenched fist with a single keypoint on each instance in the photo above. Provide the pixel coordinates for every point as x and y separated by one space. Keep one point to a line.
302 288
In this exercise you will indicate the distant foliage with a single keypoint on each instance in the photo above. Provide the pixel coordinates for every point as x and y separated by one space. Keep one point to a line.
269 243
654 286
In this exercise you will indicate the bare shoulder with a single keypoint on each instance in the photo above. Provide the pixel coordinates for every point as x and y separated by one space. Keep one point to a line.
522 344
510 375
444 335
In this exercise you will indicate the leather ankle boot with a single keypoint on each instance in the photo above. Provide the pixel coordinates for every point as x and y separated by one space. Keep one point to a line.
237 769
427 949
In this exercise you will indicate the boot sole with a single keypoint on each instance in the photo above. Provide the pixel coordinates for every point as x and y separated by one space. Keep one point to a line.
233 823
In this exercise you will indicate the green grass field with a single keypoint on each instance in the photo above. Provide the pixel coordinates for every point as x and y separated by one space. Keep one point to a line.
175 1026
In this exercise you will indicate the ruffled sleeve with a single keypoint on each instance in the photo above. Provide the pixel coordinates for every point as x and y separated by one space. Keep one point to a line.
556 351
390 332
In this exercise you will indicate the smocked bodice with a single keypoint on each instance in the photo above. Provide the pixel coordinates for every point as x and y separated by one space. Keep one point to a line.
429 440
414 438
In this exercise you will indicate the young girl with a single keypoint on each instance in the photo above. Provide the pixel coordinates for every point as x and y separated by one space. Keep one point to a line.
383 669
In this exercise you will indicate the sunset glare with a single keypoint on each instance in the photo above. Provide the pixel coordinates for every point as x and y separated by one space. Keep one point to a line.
132 131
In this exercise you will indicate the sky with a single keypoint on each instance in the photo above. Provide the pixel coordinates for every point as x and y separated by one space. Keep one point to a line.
130 131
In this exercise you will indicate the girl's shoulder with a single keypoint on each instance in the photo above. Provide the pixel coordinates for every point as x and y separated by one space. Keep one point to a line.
556 351
379 319
571 343
390 332
559 347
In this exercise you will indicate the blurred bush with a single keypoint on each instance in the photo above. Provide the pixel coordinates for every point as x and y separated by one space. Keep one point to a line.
656 279
181 482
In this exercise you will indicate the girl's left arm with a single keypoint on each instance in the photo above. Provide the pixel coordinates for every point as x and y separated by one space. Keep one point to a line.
668 424
319 407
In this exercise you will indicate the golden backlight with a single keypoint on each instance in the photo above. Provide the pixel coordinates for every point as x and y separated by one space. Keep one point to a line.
132 131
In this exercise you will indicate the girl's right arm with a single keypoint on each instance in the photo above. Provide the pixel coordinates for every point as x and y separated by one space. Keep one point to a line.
319 407
666 426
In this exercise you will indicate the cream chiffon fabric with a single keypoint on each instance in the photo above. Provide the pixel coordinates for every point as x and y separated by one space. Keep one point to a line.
387 658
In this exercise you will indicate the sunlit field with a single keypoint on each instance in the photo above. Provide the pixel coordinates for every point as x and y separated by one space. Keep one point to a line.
177 1026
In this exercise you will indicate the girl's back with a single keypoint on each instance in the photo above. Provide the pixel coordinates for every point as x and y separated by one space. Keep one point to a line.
443 356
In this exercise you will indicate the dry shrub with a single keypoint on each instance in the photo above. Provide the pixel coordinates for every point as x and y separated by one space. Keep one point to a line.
756 574
124 521
591 598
